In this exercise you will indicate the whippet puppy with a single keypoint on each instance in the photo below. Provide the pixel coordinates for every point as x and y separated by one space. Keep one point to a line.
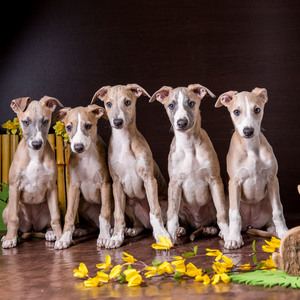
88 173
33 203
138 184
196 192
252 167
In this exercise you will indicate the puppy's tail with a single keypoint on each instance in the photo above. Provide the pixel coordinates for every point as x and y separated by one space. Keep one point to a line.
253 231
32 235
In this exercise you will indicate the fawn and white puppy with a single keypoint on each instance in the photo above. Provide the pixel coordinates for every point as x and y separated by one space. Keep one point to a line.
252 168
33 204
138 184
196 192
88 173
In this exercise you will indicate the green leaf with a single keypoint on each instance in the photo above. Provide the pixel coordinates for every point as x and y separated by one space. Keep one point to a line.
177 276
156 263
195 249
253 246
129 267
260 265
207 270
255 259
188 254
122 278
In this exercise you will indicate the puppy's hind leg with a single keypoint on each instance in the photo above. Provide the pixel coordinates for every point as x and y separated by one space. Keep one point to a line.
137 225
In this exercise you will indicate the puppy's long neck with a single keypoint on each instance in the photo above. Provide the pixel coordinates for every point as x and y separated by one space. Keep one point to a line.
249 144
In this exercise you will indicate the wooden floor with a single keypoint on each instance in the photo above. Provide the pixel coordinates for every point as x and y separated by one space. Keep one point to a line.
34 270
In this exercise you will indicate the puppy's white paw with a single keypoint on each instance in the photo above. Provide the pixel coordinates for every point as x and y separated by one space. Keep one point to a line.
181 231
114 242
210 231
102 239
221 235
233 244
64 242
50 236
78 232
6 244
133 231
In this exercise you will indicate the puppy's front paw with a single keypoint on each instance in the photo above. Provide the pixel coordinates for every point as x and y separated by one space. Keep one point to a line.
103 239
133 231
210 231
6 244
64 242
181 232
232 244
50 236
114 242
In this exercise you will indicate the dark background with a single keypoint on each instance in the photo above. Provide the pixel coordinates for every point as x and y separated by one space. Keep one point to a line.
69 49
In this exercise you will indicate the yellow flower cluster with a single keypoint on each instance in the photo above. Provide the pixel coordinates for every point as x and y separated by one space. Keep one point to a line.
177 268
59 128
12 127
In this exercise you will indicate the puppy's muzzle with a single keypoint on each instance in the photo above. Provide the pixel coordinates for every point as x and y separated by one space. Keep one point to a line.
118 123
79 147
248 132
37 145
182 123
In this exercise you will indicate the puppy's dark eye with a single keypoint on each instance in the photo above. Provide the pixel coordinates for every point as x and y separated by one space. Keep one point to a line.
45 122
127 102
69 127
87 126
25 123
191 104
108 104
237 112
257 110
171 106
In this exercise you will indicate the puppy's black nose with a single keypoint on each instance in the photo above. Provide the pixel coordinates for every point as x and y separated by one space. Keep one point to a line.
182 123
37 145
118 122
248 131
79 147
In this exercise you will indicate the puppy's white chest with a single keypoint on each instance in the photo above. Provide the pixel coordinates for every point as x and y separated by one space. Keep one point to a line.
36 178
125 166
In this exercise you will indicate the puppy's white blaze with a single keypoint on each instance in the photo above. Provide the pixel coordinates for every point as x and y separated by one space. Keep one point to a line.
181 112
79 137
235 225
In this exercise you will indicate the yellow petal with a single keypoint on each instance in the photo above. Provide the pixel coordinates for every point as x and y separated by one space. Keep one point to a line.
245 267
107 259
115 271
81 272
191 270
225 278
102 276
165 267
215 279
91 282
128 258
206 279
178 257
135 280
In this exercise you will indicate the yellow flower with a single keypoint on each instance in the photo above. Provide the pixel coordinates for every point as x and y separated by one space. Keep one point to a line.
107 265
219 267
272 245
245 267
163 244
11 127
192 271
202 278
151 271
81 272
216 278
179 266
133 277
178 257
92 282
228 263
103 277
165 267
115 271
59 127
269 264
128 258
214 252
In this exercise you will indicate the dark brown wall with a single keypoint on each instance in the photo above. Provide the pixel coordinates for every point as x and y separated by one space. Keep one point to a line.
69 49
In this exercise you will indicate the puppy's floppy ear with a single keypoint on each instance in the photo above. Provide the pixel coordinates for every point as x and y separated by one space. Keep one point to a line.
201 90
100 94
20 104
162 94
225 99
98 111
137 90
50 102
262 93
60 115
